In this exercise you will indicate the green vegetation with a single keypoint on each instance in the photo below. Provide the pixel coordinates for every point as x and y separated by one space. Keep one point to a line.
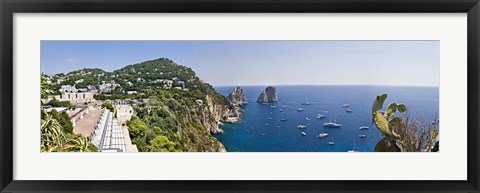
62 118
108 106
401 133
90 76
54 137
47 89
167 115
57 103
170 120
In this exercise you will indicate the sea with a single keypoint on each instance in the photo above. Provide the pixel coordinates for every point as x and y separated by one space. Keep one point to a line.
261 128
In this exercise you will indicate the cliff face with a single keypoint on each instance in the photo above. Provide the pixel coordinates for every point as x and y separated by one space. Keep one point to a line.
216 113
268 95
237 97
203 121
207 118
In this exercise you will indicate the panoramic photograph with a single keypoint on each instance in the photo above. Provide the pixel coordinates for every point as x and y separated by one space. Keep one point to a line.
239 96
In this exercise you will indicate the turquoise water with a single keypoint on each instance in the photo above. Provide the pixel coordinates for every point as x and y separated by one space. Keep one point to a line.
253 135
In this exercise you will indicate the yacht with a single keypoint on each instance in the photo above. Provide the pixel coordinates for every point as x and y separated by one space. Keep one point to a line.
301 127
362 136
300 109
349 110
320 116
304 134
331 124
331 143
322 135
306 103
280 110
266 124
269 118
364 127
306 118
277 126
345 104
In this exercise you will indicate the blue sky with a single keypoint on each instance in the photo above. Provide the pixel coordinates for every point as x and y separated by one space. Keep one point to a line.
404 63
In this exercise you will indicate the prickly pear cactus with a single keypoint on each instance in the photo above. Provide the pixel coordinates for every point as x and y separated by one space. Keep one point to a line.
388 124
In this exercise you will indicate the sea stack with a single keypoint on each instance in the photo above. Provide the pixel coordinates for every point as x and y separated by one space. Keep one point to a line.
237 97
268 95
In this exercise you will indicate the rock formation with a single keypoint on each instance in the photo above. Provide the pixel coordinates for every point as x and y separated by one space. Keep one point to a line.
237 97
268 95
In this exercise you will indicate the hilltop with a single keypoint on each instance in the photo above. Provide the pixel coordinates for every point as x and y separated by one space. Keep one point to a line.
174 109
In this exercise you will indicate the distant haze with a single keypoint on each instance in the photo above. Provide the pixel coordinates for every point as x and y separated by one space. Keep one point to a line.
220 63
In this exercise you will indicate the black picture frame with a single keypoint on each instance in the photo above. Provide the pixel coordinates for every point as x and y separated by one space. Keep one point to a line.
9 7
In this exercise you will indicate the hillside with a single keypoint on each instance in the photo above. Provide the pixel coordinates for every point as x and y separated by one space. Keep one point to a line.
175 110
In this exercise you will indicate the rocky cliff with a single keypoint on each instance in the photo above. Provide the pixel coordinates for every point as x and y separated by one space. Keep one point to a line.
203 121
237 97
268 95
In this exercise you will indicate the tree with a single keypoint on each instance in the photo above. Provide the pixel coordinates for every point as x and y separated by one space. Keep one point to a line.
108 106
65 122
162 144
52 138
56 103
80 144
136 127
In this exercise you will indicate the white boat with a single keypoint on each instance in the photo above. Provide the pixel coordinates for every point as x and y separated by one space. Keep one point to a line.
304 134
277 126
269 118
331 143
345 105
300 109
301 127
263 133
320 116
364 127
322 135
306 103
306 118
280 110
349 110
332 125
362 136
266 124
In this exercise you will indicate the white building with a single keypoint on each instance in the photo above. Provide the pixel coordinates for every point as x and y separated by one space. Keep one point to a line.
68 88
168 84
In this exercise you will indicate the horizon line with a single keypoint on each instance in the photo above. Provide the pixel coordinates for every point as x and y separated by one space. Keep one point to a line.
437 86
